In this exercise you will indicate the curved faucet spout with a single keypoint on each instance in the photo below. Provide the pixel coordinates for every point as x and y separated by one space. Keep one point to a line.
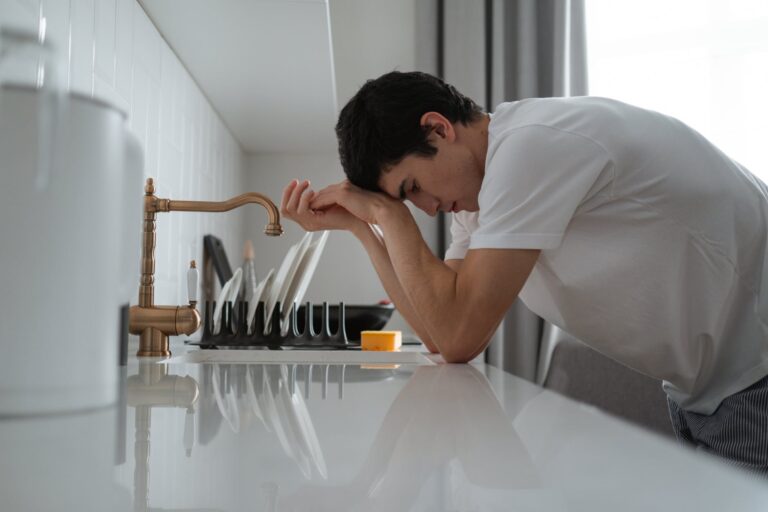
272 229
155 204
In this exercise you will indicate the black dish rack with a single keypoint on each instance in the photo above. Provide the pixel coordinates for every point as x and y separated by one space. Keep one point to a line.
234 332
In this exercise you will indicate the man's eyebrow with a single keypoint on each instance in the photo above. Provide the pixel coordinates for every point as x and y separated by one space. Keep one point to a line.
402 190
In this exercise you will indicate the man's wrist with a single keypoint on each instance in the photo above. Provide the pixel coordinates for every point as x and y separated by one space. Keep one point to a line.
390 211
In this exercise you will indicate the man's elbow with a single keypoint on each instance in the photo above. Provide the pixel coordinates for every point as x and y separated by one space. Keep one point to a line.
462 350
430 346
456 358
457 355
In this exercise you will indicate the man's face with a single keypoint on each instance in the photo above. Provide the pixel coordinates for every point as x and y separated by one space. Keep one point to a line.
448 181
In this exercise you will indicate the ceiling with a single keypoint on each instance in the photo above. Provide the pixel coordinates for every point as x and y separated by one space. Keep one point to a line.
265 65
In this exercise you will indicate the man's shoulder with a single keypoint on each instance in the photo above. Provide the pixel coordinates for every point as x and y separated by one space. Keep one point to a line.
559 113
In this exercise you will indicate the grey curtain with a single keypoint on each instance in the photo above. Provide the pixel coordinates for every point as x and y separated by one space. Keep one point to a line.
506 50
539 49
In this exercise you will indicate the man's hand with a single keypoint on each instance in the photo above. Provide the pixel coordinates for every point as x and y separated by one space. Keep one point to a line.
363 204
295 206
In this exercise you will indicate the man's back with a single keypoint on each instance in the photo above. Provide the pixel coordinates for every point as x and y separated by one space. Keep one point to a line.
653 241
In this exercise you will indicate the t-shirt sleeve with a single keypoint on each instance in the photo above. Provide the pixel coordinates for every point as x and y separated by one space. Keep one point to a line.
535 180
459 240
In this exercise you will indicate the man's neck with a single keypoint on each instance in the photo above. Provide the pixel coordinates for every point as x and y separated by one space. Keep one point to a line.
478 139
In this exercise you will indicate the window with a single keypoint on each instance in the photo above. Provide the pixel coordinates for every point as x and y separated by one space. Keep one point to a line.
704 62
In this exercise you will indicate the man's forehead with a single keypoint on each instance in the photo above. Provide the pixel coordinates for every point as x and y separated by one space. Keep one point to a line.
392 181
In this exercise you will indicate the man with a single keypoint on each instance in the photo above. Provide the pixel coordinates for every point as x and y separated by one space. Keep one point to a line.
622 226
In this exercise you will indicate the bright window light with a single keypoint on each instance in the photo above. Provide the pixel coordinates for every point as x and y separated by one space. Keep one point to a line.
704 62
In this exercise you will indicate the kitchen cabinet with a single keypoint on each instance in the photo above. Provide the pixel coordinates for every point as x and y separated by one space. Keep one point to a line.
265 66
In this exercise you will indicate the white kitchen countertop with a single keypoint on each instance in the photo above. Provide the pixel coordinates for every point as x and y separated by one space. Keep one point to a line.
432 437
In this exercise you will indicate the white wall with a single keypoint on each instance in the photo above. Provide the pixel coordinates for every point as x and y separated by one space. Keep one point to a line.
111 50
369 39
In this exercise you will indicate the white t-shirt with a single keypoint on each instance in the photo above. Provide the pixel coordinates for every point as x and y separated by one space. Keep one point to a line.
653 242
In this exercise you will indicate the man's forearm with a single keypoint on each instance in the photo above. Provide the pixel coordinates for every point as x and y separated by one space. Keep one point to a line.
430 284
377 251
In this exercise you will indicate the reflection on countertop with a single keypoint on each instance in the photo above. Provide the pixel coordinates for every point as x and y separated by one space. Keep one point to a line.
431 430
346 438
446 437
152 387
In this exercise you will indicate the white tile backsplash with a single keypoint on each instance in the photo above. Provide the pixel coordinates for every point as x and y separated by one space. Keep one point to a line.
82 50
105 40
124 47
17 13
111 50
146 43
153 133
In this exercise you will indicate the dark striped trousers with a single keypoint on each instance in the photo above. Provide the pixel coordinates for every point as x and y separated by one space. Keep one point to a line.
737 431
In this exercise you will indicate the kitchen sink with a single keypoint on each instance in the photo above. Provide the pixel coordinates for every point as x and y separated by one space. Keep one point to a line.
300 356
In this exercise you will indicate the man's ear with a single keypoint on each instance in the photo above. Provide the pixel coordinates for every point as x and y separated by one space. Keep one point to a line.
440 126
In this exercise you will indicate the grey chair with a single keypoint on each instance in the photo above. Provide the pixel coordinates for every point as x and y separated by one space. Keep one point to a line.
581 373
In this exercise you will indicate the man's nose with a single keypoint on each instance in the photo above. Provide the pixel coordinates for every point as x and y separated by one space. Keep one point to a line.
429 205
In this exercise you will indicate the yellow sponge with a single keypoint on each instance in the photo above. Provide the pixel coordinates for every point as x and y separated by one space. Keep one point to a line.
389 341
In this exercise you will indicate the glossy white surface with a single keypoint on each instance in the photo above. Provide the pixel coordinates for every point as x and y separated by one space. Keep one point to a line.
300 356
239 437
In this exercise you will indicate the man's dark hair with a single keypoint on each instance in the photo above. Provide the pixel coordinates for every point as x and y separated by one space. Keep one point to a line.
380 125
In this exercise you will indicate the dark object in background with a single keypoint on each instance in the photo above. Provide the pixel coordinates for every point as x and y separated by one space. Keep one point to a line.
122 354
214 249
215 255
358 318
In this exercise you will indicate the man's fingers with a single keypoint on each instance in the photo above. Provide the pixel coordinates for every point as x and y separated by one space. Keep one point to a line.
287 195
324 199
304 202
293 201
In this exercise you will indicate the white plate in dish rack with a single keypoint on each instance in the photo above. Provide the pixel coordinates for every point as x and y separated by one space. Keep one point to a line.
304 273
290 284
261 293
269 303
285 277
228 293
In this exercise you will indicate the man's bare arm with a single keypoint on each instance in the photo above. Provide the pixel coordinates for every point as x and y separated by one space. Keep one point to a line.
460 309
295 206
377 252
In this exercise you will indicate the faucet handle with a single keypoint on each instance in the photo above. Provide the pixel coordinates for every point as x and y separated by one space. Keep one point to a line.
192 279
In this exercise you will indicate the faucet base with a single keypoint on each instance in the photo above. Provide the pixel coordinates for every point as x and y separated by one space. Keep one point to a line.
153 343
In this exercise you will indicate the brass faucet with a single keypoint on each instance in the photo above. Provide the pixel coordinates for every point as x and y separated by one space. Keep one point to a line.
153 323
